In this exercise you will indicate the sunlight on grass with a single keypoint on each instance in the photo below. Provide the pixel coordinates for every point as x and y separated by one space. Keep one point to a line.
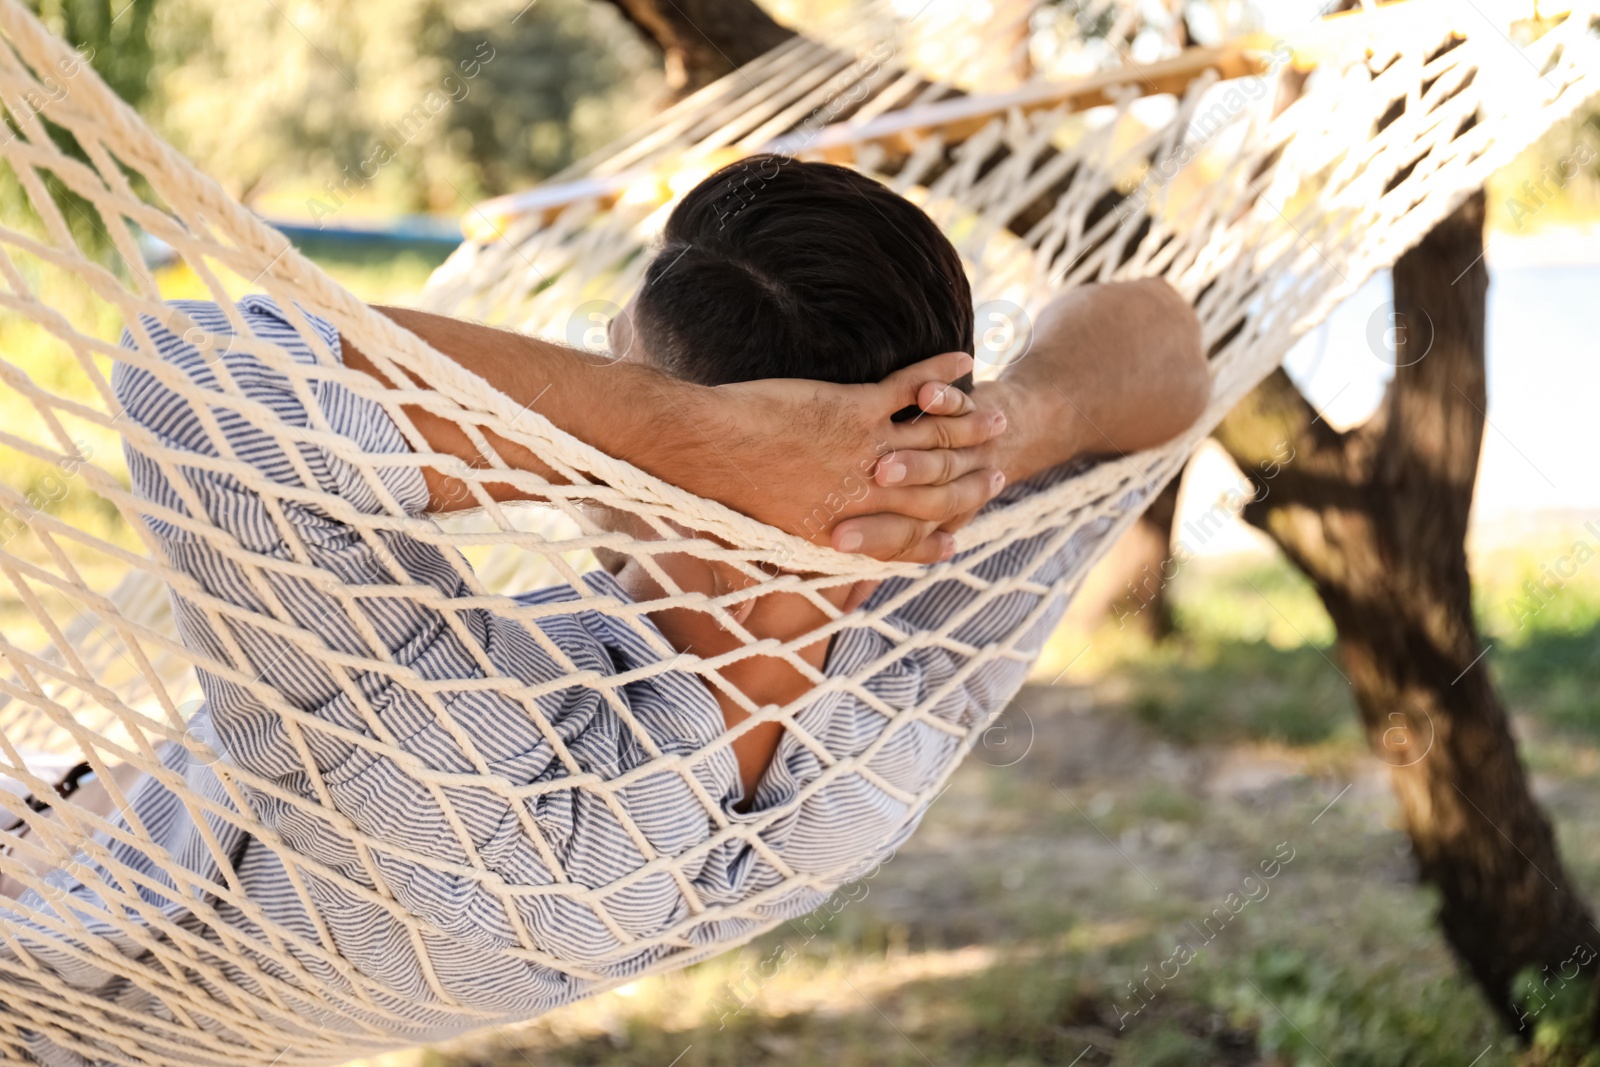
375 273
1255 659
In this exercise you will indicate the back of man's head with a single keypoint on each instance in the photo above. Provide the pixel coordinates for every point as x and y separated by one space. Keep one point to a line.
777 268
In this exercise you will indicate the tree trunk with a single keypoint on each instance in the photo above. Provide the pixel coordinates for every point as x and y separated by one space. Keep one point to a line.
1144 558
704 39
1377 518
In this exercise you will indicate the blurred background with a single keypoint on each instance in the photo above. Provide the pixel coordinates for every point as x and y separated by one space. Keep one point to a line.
1180 736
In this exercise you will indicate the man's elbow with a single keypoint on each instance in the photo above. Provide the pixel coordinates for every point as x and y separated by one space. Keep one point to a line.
1191 384
1184 377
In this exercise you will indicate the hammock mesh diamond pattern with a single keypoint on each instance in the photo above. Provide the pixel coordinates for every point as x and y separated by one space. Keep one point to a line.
1266 221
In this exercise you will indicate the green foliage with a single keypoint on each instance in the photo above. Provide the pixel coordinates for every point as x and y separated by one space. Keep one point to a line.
1313 1010
112 37
1554 183
1561 1014
1258 601
1521 595
1088 21
390 273
1234 691
1553 678
1254 659
558 88
113 34
116 45
402 106
1167 802
1545 632
1165 1045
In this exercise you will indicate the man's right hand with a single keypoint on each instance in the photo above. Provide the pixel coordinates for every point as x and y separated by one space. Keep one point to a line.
829 463
1113 369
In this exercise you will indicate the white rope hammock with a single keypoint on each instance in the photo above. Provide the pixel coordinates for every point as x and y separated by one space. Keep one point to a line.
130 954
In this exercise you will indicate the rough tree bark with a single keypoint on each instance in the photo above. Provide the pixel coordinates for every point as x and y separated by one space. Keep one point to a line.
704 39
1377 518
1145 558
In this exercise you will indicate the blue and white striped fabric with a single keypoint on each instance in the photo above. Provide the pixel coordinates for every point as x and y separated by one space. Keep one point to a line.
470 965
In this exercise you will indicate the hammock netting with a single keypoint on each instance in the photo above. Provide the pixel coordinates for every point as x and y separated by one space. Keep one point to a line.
120 948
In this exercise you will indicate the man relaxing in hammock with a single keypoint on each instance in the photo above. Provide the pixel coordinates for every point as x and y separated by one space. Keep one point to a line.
772 269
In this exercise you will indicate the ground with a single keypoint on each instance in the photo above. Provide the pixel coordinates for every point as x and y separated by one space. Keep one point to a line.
1136 807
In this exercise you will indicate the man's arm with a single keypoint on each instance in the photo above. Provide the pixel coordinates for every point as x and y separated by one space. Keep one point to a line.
735 444
1113 369
1121 367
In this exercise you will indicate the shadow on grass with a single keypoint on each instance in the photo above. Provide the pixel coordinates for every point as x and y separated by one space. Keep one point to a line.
1553 677
1243 691
1255 659
1274 1006
1229 692
1344 971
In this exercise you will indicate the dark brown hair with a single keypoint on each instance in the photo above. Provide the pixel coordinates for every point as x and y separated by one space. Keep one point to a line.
778 268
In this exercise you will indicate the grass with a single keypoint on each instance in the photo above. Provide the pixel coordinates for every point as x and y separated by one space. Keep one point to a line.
378 274
1323 967
1254 661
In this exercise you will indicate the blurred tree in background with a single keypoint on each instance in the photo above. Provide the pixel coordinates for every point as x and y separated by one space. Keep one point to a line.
407 105
568 77
113 34
702 40
278 99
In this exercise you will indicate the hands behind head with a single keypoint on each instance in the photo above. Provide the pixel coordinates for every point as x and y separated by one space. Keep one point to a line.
829 463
